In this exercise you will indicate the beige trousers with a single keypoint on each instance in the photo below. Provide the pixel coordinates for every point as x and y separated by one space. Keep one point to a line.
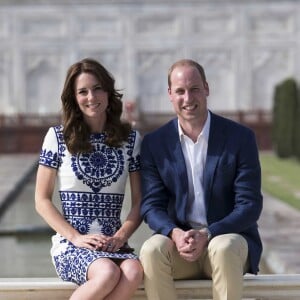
225 261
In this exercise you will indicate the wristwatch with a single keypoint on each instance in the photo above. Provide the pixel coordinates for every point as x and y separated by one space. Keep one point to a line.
208 233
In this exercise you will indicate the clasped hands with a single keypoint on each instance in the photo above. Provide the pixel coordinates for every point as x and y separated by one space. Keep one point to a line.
98 242
190 244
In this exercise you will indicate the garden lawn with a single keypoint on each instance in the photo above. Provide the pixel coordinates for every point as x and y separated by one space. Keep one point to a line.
281 178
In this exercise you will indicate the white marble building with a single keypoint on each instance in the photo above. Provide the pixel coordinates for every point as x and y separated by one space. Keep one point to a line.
246 47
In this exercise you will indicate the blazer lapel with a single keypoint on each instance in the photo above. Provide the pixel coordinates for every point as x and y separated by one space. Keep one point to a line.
181 173
214 150
177 154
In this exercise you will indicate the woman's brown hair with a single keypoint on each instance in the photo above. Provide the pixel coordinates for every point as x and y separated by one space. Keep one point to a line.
76 132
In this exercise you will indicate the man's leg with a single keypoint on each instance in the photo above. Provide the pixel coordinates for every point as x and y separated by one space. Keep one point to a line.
162 264
226 262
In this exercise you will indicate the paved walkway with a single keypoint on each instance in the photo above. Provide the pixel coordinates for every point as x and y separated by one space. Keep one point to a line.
14 170
280 231
279 223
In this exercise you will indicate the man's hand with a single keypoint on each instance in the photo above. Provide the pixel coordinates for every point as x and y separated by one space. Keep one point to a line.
190 244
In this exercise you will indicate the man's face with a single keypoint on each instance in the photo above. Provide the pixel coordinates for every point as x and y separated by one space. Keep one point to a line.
188 94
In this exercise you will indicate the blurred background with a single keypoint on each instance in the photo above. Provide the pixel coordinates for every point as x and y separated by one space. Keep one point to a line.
249 50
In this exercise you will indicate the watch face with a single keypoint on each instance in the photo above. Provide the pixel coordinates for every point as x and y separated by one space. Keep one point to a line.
208 234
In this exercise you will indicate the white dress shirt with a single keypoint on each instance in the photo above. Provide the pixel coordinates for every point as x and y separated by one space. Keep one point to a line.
195 158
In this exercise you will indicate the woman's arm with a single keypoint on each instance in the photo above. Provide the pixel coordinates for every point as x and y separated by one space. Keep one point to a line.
133 219
45 184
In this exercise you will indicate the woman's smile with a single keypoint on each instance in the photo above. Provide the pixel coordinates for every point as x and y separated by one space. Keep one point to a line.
93 105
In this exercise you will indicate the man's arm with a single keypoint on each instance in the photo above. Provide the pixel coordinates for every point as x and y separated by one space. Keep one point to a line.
155 195
246 189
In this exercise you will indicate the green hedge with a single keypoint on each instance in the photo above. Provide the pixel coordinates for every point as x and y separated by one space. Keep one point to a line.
297 129
285 111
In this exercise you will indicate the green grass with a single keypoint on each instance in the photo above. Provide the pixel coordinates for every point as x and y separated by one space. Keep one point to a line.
281 178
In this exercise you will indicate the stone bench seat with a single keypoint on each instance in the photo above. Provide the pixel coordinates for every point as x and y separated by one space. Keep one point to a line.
275 286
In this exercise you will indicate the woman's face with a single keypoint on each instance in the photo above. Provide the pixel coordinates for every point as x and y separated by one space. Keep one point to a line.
91 98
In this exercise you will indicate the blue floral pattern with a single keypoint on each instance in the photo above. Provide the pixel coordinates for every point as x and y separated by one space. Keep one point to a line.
99 168
91 190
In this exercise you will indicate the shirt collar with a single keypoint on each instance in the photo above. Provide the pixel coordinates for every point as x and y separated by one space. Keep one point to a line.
204 132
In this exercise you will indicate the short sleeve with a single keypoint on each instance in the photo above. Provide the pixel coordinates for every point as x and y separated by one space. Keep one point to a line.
49 154
135 160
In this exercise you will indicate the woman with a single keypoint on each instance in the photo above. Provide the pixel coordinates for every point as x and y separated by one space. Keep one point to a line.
91 155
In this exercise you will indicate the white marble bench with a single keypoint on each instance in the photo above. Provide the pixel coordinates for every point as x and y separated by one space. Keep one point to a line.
285 286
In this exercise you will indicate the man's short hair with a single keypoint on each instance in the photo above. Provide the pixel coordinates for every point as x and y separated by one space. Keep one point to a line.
186 62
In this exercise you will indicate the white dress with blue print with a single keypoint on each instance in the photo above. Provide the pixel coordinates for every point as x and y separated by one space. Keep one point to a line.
91 188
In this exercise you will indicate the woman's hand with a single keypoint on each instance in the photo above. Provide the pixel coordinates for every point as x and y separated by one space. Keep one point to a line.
98 242
114 243
90 241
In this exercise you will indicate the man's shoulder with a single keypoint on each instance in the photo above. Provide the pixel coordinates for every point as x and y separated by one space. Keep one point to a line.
229 124
165 130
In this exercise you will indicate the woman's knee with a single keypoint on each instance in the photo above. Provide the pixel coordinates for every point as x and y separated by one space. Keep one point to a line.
132 270
104 271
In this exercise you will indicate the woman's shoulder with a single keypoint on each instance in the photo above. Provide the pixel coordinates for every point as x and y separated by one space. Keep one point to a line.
135 135
134 131
58 128
133 140
54 132
55 128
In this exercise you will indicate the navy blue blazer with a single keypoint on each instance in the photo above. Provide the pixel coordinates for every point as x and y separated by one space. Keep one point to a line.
232 182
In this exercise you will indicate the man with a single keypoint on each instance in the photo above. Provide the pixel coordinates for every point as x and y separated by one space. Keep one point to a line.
201 184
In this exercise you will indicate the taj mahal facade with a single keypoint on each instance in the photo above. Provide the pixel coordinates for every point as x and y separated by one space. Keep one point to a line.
245 46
